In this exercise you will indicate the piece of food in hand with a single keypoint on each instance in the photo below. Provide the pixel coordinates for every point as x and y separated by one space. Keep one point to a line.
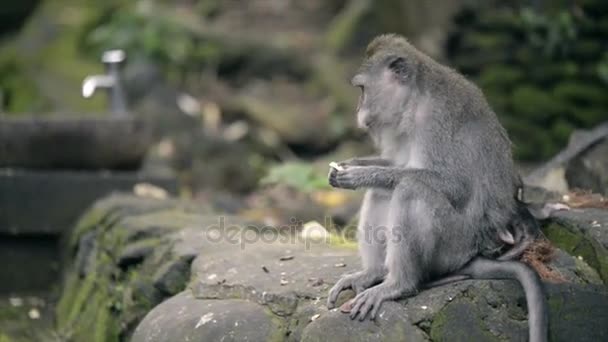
336 166
347 306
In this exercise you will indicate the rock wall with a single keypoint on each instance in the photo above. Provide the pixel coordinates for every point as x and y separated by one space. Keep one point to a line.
154 270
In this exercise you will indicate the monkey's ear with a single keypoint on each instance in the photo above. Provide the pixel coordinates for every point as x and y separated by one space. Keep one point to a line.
398 66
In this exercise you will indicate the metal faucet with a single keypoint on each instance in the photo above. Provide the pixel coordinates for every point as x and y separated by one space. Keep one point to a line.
110 81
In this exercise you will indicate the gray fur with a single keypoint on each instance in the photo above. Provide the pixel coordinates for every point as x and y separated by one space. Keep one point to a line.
442 189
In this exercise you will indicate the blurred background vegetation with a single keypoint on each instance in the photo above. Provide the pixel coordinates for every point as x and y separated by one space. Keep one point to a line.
251 84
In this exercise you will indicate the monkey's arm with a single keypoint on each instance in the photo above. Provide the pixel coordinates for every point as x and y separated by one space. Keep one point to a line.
367 161
388 177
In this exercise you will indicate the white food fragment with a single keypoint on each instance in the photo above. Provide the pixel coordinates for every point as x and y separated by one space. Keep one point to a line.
34 314
16 301
150 191
313 230
336 166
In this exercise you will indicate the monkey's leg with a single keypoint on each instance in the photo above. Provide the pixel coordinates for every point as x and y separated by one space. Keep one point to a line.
419 217
371 233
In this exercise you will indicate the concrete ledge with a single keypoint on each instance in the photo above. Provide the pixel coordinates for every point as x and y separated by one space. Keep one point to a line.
74 143
40 202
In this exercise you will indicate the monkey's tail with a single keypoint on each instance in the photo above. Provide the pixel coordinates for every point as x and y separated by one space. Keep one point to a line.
538 319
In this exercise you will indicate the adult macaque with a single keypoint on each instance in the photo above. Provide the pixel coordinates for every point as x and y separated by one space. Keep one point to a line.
442 190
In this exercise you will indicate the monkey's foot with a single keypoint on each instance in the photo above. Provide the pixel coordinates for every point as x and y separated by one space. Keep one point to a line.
358 282
370 300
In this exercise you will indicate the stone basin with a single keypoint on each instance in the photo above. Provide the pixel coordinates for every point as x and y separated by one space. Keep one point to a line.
116 143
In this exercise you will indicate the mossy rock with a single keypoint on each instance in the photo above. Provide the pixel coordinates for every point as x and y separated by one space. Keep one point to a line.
108 298
580 234
578 245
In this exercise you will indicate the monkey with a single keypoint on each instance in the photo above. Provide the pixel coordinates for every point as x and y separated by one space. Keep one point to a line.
439 196
522 231
523 228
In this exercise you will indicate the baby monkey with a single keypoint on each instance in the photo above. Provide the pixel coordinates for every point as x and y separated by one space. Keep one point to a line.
440 198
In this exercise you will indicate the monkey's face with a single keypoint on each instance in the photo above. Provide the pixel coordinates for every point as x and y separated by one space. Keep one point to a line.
384 89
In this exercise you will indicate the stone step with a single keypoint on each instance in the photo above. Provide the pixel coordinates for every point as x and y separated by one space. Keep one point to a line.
73 143
49 202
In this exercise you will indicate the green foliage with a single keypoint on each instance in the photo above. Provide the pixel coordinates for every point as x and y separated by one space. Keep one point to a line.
553 35
301 176
18 91
153 37
602 68
544 71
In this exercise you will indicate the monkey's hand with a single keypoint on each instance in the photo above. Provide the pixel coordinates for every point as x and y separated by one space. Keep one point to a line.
370 300
348 177
358 282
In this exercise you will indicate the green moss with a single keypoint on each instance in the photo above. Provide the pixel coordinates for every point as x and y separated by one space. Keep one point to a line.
84 311
94 322
586 272
577 244
68 295
87 222
146 244
106 326
437 327
279 332
443 329
70 308
10 313
109 300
